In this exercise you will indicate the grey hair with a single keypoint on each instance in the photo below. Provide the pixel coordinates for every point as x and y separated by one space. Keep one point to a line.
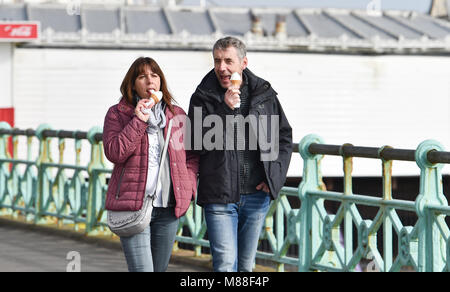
226 42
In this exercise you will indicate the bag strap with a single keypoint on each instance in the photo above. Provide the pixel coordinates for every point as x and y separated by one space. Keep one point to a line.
163 156
166 145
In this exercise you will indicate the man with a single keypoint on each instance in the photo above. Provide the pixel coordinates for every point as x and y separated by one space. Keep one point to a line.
237 177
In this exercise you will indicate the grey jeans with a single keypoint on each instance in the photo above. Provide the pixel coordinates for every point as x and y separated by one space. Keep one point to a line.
150 250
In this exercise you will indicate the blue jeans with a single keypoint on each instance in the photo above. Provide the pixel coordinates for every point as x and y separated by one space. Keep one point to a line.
234 230
151 249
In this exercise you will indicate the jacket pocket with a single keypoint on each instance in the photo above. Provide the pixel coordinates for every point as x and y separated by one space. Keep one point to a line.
119 183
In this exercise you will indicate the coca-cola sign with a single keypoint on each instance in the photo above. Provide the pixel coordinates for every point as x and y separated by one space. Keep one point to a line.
19 31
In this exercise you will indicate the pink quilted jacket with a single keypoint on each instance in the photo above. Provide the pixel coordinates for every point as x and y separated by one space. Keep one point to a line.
125 142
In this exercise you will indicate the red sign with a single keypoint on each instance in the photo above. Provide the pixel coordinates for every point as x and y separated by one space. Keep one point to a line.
7 115
19 31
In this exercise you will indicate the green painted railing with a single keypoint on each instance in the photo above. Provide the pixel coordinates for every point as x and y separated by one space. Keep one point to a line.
48 192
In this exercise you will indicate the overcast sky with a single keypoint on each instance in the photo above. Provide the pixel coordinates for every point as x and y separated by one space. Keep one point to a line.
416 5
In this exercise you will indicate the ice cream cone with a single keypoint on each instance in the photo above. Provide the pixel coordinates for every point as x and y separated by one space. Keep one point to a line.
156 96
236 81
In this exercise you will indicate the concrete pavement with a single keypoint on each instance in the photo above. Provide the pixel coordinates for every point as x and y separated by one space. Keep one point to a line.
27 249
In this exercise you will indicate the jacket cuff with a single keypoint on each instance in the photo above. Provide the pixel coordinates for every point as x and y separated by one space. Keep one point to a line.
141 126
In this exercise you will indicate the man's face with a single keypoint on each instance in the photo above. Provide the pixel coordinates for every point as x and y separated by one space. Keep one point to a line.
226 62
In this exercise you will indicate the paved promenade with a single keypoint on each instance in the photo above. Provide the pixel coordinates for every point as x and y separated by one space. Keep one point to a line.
27 249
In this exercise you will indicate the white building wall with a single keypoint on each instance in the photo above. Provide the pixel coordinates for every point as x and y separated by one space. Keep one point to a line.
367 101
59 87
5 75
363 100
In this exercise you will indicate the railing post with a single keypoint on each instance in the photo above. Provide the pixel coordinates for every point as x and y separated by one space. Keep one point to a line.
43 190
4 141
97 180
199 227
58 186
348 190
4 167
310 223
431 242
387 221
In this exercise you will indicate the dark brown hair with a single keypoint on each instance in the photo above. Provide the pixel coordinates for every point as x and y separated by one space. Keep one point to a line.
136 69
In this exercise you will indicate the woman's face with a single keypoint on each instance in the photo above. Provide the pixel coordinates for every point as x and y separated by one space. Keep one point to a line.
146 81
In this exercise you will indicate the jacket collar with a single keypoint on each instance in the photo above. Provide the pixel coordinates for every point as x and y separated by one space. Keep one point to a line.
210 88
125 107
259 89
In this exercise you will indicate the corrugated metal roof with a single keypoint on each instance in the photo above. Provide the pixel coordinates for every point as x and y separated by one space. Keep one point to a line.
323 26
101 20
54 17
361 27
194 22
390 26
12 12
427 25
193 27
232 21
294 27
140 21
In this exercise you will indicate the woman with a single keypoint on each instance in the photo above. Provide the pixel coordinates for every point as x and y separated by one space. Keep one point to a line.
133 139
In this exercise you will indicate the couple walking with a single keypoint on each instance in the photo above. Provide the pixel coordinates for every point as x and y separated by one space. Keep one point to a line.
235 184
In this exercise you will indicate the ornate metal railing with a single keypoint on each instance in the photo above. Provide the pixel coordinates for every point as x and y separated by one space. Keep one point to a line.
424 246
40 188
47 192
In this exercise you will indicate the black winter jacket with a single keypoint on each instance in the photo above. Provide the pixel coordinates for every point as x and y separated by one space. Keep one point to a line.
219 168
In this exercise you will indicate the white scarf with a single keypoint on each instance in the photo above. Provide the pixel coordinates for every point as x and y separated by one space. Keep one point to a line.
157 117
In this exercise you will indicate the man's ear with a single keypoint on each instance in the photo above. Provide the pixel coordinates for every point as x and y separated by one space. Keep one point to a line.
244 63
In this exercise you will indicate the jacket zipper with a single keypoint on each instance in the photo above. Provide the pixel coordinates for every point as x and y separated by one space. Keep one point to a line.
236 152
146 166
120 183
